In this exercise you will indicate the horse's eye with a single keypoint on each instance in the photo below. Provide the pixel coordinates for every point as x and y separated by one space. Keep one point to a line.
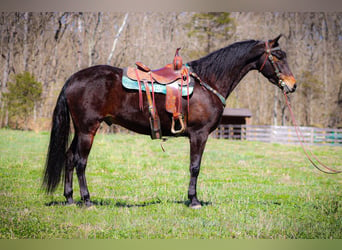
280 55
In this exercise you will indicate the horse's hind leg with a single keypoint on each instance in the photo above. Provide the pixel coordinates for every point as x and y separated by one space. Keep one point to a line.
84 143
69 171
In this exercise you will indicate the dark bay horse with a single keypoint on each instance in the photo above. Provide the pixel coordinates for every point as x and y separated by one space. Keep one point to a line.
96 94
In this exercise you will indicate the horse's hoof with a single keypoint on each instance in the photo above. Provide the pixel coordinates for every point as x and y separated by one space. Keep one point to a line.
69 201
71 204
197 206
88 204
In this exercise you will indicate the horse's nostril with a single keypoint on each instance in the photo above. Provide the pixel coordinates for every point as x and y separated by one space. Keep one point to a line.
294 86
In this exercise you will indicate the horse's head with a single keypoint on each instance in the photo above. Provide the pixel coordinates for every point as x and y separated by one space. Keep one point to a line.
273 65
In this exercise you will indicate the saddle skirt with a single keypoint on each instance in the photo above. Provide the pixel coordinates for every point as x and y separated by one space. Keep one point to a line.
131 83
165 75
173 80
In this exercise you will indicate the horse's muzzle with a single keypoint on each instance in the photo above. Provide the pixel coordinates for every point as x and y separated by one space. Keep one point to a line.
288 83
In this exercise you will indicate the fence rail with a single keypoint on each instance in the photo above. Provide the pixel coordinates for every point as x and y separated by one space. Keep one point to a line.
279 134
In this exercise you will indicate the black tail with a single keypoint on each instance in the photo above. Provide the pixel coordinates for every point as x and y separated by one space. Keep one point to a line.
56 156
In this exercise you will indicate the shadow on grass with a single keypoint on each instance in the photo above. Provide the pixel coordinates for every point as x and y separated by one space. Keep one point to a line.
102 202
187 203
111 202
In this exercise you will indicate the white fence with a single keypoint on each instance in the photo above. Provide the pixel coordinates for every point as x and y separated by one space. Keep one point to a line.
279 134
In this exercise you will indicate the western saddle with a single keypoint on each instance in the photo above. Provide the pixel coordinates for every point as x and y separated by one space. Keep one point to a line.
174 75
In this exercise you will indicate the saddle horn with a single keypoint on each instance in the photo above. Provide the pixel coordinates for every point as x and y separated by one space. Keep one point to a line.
177 60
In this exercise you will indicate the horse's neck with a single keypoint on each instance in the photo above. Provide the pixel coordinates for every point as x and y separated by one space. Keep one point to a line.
226 81
233 77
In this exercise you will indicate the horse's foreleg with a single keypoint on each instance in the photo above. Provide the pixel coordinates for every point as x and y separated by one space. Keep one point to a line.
197 145
84 144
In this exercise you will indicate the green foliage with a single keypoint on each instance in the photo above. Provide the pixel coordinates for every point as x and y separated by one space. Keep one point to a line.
210 27
249 190
208 22
312 92
23 93
311 86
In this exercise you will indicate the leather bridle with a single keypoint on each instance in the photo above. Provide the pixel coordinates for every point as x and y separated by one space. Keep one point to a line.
269 56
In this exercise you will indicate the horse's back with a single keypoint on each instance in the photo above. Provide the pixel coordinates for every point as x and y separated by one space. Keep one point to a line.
94 77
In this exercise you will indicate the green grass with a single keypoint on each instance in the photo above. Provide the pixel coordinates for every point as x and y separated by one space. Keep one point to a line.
249 190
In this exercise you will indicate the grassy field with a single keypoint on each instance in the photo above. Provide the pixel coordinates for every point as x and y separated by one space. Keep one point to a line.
248 190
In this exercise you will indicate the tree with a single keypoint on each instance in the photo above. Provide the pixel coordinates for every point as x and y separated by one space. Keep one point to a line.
93 38
311 89
210 27
116 38
336 120
9 34
22 96
54 45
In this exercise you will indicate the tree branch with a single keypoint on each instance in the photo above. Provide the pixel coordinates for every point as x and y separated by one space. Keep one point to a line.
116 38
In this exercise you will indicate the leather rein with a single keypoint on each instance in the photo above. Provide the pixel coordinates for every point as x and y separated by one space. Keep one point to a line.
319 165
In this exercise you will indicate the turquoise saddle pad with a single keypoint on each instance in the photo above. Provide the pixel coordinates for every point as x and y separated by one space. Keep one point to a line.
158 88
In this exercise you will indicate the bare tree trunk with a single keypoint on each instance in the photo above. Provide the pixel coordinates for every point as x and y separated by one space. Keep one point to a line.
92 42
116 38
80 40
25 50
3 109
275 107
144 37
35 112
325 61
55 57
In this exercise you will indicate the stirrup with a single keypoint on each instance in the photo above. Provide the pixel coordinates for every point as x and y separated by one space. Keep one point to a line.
182 129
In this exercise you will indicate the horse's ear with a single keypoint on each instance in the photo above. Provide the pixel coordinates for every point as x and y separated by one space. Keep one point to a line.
274 42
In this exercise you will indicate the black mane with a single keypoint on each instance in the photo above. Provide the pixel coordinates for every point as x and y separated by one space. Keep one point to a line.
223 60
